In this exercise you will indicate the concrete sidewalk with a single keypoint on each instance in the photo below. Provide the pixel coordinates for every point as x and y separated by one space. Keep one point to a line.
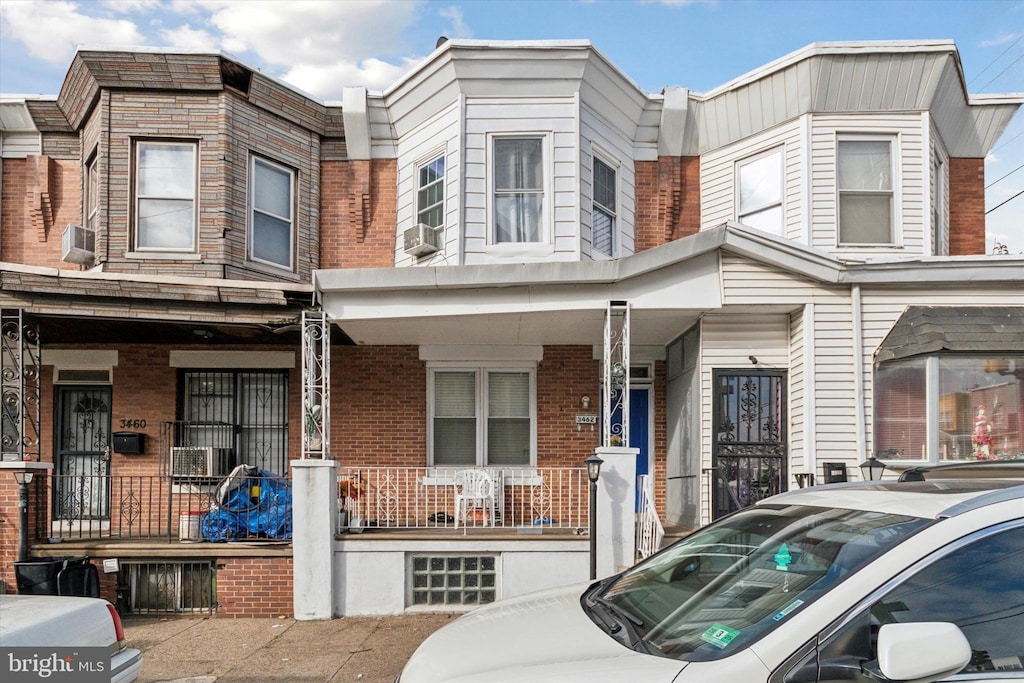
207 649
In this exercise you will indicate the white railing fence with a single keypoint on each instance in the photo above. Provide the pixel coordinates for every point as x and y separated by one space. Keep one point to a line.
649 530
424 498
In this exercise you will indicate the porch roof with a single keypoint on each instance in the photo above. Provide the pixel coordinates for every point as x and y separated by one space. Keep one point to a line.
929 329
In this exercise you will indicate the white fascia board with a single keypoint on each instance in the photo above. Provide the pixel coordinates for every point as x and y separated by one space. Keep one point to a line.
962 270
672 129
357 123
232 359
466 353
79 359
15 116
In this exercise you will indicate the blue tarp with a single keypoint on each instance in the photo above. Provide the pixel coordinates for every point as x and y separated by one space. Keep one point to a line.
250 503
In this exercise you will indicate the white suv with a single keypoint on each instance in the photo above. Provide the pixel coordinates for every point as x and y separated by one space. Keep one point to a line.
918 581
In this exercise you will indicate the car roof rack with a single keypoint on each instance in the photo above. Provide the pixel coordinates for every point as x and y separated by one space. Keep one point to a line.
967 469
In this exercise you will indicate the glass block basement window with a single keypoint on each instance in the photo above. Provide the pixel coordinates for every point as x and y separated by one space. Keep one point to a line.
453 580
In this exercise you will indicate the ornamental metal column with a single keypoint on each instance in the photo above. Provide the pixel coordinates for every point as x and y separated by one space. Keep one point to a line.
19 387
615 383
316 387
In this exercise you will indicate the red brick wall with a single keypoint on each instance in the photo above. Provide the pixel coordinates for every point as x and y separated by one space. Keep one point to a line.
966 206
667 200
10 519
566 374
254 586
26 237
358 213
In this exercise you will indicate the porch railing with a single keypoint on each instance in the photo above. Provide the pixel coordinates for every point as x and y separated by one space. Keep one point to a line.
649 530
424 498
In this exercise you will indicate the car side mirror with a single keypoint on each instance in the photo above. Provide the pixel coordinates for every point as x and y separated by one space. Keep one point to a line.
919 651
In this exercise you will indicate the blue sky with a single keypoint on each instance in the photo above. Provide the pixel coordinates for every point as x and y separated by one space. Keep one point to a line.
321 46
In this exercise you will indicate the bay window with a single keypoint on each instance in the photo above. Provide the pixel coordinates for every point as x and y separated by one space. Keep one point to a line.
518 189
271 213
481 416
864 180
759 192
165 196
950 407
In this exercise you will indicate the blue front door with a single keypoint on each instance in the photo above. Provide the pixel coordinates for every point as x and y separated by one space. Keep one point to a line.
639 428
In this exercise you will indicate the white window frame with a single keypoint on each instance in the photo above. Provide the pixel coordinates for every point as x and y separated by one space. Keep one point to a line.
611 212
92 192
482 372
544 236
894 190
138 197
741 214
255 159
429 160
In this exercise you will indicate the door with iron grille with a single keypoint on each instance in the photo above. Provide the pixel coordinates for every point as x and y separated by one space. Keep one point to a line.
82 485
749 448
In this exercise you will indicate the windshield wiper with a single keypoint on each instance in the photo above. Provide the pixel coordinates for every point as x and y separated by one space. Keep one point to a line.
620 621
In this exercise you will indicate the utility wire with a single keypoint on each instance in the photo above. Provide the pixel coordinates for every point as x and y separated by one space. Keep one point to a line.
1006 202
978 75
1001 72
1008 141
1005 176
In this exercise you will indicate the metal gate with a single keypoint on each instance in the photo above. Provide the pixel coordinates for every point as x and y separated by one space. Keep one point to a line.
749 449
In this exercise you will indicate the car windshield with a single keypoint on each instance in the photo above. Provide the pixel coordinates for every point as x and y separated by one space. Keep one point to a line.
725 586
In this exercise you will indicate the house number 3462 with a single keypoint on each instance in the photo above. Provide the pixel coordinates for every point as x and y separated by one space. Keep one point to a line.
133 424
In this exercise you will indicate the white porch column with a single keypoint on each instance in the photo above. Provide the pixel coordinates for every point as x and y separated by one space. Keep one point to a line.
616 510
314 504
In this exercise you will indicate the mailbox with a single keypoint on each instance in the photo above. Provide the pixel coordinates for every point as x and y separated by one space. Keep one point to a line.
129 443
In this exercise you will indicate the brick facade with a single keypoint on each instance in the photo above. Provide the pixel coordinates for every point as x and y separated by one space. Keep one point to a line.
667 200
254 587
966 207
358 213
41 195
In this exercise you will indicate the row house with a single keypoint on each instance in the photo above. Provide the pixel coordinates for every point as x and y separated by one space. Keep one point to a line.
458 288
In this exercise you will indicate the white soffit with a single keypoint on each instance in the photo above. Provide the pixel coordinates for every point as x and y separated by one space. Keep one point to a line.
82 359
232 359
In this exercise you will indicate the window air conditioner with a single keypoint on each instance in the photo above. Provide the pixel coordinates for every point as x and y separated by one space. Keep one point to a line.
78 245
421 240
191 461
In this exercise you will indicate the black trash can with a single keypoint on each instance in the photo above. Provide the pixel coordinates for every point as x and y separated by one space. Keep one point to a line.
39 575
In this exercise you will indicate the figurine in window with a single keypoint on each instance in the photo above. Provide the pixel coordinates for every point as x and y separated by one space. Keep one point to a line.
982 436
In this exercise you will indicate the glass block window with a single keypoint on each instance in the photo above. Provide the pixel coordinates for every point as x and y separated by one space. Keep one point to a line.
445 581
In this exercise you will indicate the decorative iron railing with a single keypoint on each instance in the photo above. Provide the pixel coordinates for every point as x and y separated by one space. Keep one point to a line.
649 530
425 498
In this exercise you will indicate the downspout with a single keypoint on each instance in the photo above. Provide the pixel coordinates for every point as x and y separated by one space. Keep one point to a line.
810 400
858 374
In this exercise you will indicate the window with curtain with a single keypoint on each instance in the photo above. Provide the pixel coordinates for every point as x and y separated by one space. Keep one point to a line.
864 177
430 193
165 196
271 213
481 417
518 189
759 192
603 216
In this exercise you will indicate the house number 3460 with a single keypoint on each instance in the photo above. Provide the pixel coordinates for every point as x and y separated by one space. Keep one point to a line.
133 424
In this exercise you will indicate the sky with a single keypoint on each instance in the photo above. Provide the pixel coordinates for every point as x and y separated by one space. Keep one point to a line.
321 46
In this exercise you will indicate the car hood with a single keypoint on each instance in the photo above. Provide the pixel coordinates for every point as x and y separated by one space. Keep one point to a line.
541 637
29 620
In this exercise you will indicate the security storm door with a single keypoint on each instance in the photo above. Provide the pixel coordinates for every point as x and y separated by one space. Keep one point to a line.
82 487
748 451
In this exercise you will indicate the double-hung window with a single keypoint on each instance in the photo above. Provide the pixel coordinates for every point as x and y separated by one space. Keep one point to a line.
482 416
165 196
518 189
864 179
759 192
603 217
430 193
271 214
92 193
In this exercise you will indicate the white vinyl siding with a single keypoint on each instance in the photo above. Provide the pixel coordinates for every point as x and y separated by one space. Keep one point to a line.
271 214
165 196
602 140
438 136
718 188
910 201
18 145
554 119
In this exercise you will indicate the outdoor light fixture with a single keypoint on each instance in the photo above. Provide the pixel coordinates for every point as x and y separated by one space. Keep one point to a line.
593 474
585 402
24 478
871 469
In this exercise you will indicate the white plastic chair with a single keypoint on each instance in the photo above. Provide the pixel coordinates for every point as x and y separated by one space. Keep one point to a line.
474 490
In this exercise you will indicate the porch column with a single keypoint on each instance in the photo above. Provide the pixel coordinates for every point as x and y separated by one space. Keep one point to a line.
314 501
616 510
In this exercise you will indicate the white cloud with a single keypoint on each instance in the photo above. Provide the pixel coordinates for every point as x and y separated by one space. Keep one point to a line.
327 81
458 28
130 6
52 30
1001 39
190 38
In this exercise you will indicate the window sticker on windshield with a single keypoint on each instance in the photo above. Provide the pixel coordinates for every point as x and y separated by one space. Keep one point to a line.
783 558
719 635
787 609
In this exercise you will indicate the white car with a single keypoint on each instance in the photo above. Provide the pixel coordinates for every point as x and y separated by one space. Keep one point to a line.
918 581
46 635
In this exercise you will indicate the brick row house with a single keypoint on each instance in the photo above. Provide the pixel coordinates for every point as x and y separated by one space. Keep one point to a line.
516 256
